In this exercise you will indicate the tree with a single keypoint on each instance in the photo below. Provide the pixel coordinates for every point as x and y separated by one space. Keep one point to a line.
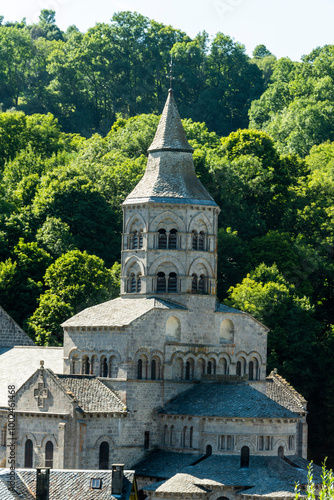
261 51
76 280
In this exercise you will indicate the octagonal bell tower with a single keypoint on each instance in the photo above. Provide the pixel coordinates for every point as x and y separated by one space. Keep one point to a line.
169 244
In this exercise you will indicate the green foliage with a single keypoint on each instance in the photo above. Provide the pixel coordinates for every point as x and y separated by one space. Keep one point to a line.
326 489
76 280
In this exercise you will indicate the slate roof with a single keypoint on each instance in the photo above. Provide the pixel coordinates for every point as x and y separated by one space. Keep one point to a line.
187 482
118 312
227 309
236 400
15 370
270 476
21 489
10 332
92 395
170 133
164 464
170 173
66 484
278 389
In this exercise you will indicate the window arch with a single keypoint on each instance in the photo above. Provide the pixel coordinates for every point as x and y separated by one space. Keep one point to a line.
253 369
28 454
198 240
223 367
75 364
172 283
201 240
189 375
153 369
227 330
194 283
161 282
172 239
211 367
142 367
241 367
202 284
104 456
135 239
94 365
244 457
85 367
291 442
178 369
134 283
113 367
162 241
208 450
49 454
194 239
103 367
281 451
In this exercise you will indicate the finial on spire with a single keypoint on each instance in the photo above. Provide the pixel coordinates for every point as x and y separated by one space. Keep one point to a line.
170 74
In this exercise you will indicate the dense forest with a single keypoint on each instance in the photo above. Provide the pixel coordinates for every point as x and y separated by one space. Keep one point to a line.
78 111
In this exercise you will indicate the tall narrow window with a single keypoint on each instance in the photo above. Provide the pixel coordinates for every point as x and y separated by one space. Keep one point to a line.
172 243
239 368
147 440
85 369
4 435
194 240
208 450
172 283
135 240
202 284
104 456
139 282
184 437
28 454
162 242
140 369
103 367
49 454
188 370
140 239
244 458
153 370
201 239
194 287
251 370
281 451
191 435
209 368
171 435
166 442
133 283
161 283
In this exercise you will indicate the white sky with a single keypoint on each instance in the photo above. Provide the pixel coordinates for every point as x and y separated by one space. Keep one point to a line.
287 27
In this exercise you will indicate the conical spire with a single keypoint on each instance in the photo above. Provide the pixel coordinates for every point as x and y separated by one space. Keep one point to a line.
170 135
170 175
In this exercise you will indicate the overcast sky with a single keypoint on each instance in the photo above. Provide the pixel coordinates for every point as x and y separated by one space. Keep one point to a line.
287 27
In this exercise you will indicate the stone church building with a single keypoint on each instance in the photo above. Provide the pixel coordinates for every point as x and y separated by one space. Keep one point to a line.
163 379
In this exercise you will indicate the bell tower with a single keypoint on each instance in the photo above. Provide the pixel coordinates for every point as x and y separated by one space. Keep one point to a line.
170 222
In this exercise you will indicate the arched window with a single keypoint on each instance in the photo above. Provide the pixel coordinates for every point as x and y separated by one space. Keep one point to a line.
191 435
140 239
153 370
162 243
172 243
188 370
201 366
190 365
239 368
161 283
28 454
49 454
74 364
172 436
103 367
208 450
178 369
172 283
251 370
85 368
201 240
104 456
281 451
133 283
211 369
184 437
223 366
140 369
202 284
113 367
244 458
194 283
227 330
291 442
194 239
93 365
139 282
135 240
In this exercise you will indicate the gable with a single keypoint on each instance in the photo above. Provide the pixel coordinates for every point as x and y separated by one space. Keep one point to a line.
10 332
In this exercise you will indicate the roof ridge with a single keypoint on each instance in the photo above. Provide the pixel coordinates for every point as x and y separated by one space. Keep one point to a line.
286 385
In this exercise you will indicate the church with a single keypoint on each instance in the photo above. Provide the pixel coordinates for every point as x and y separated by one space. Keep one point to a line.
163 379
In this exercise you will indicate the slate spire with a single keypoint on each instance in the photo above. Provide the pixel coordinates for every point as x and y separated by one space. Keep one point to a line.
170 135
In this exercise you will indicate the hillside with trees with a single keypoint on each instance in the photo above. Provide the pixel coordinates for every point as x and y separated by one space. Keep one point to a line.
79 111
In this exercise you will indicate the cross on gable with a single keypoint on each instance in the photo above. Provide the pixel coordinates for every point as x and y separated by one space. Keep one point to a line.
41 393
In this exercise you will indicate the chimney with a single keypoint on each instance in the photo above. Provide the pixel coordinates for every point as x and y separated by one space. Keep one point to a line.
42 483
117 472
